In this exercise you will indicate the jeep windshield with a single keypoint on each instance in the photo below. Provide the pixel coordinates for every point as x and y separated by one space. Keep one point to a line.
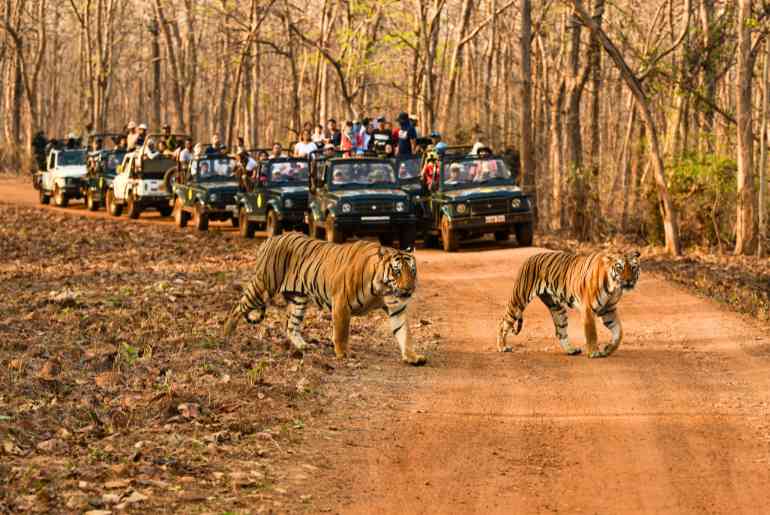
369 174
408 169
472 172
289 172
219 169
71 158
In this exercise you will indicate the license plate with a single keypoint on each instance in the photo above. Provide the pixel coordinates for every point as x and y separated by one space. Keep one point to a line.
495 219
375 218
232 207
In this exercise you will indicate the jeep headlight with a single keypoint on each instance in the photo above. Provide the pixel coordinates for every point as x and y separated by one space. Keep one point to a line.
213 197
400 206
288 203
461 209
347 208
516 203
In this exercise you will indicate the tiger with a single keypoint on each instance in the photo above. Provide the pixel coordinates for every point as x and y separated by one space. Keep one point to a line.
592 283
349 279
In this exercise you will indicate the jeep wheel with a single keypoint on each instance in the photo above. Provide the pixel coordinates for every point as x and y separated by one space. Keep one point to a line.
448 236
113 208
59 197
314 229
273 226
180 215
247 227
91 204
524 233
44 199
407 237
333 234
200 219
386 239
165 211
133 208
235 222
502 235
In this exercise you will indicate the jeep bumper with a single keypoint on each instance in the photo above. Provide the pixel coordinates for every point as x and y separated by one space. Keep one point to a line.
491 223
372 225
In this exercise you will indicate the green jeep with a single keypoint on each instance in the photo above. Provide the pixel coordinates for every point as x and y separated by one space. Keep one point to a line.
276 200
472 195
102 168
206 191
359 196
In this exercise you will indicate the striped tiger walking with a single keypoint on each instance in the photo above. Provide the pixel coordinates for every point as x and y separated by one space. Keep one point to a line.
592 283
350 279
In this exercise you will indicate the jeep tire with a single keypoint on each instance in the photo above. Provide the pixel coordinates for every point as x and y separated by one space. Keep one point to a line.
502 235
448 236
273 225
165 211
333 234
60 198
524 234
113 208
247 227
134 210
200 219
91 204
181 217
407 236
314 229
44 199
235 221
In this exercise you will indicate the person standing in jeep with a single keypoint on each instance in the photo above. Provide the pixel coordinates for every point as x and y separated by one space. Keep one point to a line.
407 136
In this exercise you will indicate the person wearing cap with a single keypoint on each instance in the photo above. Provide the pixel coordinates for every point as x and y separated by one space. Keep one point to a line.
407 136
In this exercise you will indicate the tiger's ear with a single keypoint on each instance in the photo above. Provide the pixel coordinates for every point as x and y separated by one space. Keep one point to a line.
381 252
633 254
409 249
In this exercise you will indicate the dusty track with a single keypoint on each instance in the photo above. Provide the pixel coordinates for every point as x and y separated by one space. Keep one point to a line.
677 421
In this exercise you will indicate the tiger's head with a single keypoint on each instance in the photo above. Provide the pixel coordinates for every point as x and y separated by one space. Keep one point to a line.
398 272
623 270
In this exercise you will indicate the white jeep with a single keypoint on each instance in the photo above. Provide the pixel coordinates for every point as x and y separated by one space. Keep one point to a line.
139 185
63 177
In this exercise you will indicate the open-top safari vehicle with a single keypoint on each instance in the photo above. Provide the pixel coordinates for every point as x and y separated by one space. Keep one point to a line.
102 166
63 176
206 191
275 198
361 197
471 195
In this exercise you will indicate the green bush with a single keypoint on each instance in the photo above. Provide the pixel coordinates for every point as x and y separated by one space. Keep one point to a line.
702 187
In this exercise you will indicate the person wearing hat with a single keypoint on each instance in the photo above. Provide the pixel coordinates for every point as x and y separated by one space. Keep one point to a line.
407 136
454 174
136 138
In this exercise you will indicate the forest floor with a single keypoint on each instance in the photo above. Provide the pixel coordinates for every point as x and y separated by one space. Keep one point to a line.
118 393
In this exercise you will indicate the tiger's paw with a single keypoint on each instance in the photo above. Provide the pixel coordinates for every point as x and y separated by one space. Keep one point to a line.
505 349
597 354
573 351
416 360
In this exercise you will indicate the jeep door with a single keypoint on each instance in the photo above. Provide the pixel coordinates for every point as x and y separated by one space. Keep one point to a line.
120 184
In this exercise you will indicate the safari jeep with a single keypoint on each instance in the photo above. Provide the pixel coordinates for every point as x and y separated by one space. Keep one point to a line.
139 185
350 196
102 168
63 177
206 191
471 196
277 200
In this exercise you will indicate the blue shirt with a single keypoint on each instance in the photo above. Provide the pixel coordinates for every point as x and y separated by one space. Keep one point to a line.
405 136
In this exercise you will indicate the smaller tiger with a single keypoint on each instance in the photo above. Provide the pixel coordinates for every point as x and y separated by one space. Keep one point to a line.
592 283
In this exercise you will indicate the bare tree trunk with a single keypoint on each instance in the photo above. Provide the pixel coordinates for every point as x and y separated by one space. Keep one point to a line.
670 225
762 207
526 149
746 221
156 85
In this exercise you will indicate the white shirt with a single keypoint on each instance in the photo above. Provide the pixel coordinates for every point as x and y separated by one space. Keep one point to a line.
304 149
185 156
250 165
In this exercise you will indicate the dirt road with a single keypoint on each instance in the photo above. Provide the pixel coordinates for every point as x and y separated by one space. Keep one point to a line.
677 421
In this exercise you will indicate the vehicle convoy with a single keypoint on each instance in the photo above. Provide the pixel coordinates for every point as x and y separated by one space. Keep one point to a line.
472 195
102 168
206 191
63 177
359 197
277 199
